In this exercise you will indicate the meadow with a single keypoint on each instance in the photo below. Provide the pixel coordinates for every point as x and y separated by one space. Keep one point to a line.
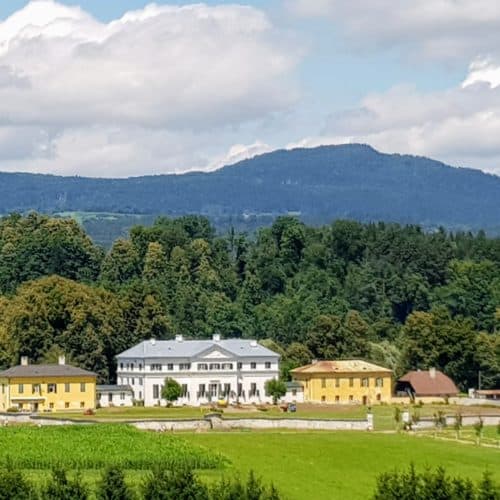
341 465
302 465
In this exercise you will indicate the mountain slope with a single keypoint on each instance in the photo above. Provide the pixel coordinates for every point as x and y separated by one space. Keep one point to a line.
349 181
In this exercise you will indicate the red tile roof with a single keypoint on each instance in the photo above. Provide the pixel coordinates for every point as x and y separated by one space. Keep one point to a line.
424 384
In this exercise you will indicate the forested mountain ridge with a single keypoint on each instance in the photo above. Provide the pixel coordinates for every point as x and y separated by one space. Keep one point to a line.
321 184
395 295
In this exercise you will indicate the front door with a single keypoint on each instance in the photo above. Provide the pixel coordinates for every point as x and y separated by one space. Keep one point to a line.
365 400
34 407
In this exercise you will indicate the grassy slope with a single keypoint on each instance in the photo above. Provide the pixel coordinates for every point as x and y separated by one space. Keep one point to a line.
341 465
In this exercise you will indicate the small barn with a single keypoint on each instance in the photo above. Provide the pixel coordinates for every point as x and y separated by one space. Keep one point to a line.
114 395
426 383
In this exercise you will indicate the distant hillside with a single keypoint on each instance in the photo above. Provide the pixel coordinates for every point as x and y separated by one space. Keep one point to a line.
321 184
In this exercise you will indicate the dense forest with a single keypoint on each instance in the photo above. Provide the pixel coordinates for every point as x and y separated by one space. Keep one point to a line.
392 294
321 184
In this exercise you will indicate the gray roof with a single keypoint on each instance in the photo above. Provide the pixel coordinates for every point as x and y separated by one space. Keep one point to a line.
25 371
189 348
113 388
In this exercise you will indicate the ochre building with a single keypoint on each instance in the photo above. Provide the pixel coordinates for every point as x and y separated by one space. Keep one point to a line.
51 387
345 382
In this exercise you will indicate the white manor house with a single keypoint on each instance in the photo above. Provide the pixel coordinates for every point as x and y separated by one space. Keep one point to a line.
207 370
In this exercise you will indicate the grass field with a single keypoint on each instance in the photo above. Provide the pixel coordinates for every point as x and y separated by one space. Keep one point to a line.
303 465
341 465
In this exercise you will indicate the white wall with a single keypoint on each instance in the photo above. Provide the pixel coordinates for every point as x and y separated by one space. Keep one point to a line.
117 399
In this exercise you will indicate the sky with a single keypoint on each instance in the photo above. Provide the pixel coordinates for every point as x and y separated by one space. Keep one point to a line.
122 88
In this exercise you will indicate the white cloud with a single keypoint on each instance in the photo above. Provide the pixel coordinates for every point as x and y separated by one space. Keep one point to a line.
442 29
460 126
135 94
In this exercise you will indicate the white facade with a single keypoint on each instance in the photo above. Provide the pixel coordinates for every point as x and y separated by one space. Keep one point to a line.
114 395
208 370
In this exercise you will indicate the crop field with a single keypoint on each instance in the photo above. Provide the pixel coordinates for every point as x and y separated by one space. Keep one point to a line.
341 465
96 446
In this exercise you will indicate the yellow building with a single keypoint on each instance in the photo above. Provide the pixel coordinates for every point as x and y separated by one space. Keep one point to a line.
53 387
344 382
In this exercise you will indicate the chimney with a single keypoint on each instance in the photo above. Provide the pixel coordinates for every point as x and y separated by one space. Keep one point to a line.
179 338
253 343
24 360
62 359
216 337
432 372
153 341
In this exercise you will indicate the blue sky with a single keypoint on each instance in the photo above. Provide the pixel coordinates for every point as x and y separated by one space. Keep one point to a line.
405 79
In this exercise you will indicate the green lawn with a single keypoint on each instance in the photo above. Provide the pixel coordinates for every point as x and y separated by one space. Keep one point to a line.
341 465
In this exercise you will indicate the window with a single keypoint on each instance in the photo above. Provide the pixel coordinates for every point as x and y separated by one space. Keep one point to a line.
268 365
227 389
337 399
132 366
156 391
253 389
121 366
140 366
202 366
240 365
215 366
379 382
110 397
323 383
66 405
294 392
82 387
82 404
184 392
67 387
351 382
227 366
240 389
212 388
51 406
139 380
364 382
170 367
156 367
337 382
185 366
20 388
253 365
52 388
351 398
201 391
35 389
323 399
133 381
122 396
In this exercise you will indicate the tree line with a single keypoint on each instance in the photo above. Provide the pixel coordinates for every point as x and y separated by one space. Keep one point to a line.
392 294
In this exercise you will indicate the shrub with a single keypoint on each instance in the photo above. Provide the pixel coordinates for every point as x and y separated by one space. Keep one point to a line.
62 488
432 485
15 486
234 489
171 390
112 486
179 484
